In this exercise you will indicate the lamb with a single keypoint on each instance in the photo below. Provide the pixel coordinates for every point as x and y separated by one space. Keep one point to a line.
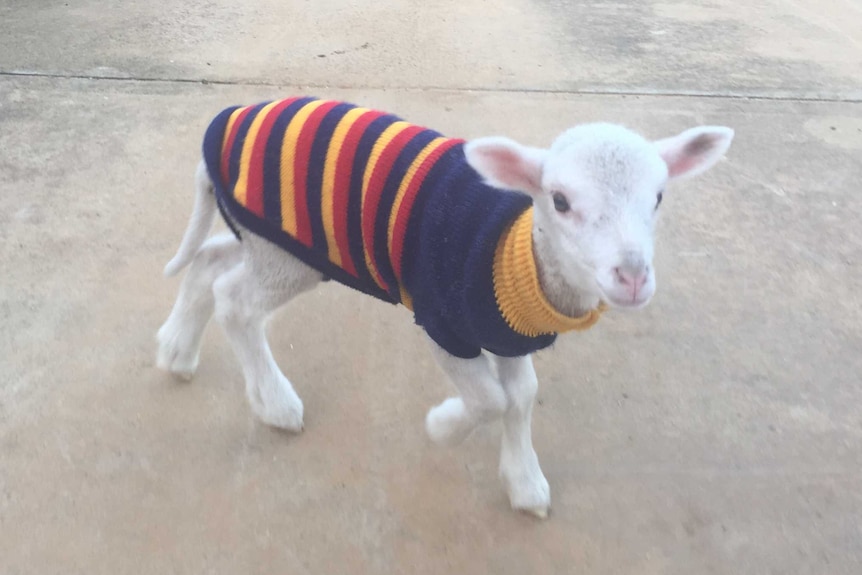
496 248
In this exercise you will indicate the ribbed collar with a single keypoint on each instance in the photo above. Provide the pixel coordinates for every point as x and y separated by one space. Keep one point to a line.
517 289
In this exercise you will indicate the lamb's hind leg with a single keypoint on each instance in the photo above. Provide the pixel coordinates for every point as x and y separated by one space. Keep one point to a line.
245 297
482 399
180 336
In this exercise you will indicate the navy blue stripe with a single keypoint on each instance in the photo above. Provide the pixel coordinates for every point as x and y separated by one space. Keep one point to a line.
213 139
387 197
433 182
454 273
314 181
236 150
272 162
354 200
212 154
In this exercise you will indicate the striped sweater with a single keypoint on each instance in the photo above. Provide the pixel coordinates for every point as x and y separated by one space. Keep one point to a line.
390 209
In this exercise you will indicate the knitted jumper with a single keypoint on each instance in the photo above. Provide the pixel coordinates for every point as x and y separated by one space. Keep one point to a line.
392 210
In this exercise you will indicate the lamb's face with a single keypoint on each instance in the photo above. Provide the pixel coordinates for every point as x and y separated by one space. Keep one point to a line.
596 196
601 189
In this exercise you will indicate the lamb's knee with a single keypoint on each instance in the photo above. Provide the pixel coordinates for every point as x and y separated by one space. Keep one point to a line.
522 392
490 407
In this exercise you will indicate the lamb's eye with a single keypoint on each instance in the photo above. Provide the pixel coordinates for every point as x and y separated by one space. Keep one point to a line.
658 200
561 204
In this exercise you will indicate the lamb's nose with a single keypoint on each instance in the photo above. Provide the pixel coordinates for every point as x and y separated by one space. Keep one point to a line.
633 278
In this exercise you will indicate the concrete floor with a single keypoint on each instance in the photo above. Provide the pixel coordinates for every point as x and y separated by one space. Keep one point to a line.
717 432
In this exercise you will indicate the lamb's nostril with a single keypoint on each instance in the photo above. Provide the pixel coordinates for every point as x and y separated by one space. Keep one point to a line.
622 276
642 278
631 279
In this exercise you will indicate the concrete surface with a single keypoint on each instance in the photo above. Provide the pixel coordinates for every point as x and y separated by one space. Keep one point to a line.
717 432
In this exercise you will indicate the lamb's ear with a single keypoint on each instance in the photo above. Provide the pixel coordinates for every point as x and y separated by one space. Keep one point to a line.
694 151
507 164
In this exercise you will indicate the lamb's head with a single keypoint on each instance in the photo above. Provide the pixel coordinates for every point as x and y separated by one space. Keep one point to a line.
596 194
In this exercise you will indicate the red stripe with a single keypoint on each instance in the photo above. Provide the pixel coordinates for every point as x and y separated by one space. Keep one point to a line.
375 188
403 217
254 188
300 171
228 145
342 186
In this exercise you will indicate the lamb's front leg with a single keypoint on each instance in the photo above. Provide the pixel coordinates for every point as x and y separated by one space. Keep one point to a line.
482 398
519 465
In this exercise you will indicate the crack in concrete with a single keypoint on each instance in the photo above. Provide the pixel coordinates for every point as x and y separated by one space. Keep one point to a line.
852 98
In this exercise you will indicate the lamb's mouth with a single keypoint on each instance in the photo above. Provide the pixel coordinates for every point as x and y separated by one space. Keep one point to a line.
624 303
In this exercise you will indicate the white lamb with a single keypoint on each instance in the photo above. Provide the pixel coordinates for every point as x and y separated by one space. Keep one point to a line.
595 197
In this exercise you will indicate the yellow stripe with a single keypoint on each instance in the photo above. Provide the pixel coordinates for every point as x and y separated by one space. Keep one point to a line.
327 198
406 183
406 300
379 146
240 191
288 155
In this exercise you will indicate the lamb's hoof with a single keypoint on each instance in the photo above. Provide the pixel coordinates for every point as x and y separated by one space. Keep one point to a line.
529 494
278 406
289 420
175 356
540 512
